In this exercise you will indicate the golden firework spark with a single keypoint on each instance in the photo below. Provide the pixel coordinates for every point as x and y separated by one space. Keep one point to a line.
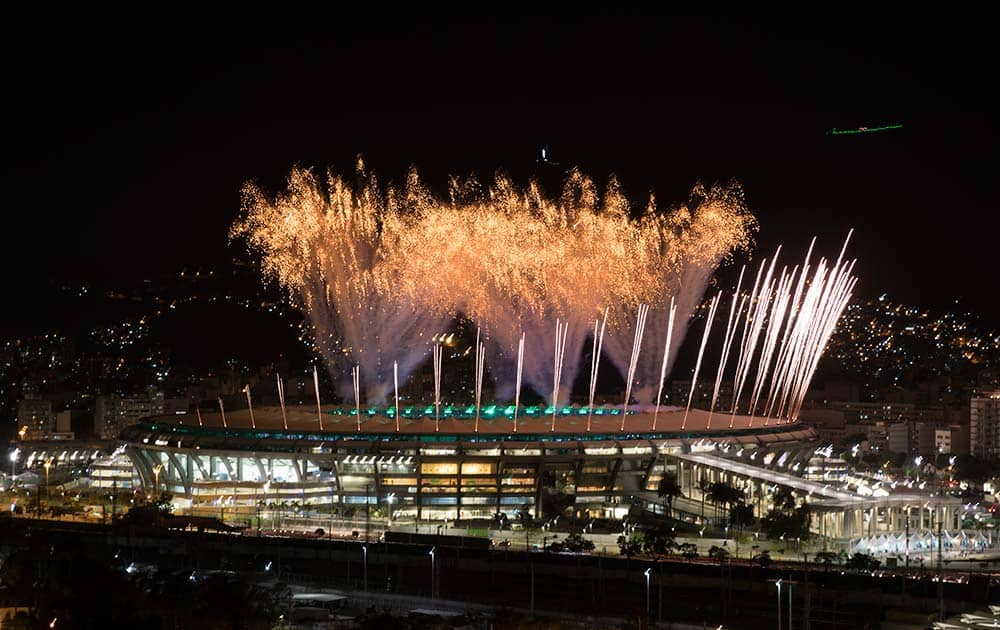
380 270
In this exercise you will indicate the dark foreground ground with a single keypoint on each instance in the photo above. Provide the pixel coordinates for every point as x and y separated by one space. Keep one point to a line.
95 576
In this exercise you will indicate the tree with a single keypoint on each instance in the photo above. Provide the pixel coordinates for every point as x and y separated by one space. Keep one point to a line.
688 550
668 489
863 562
659 541
741 516
968 468
826 558
784 500
556 503
871 459
718 553
763 559
794 524
720 493
631 545
574 542
703 486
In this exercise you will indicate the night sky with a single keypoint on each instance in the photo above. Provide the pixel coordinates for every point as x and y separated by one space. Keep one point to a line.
124 149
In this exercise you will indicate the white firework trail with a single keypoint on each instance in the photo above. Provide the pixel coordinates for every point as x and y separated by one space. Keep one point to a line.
356 379
779 305
319 408
437 387
281 399
480 360
827 307
753 324
557 363
395 385
640 325
727 342
701 351
663 366
839 282
595 360
794 307
838 305
517 385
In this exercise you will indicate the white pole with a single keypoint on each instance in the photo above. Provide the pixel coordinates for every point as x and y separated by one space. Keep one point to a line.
666 356
319 409
437 386
480 357
356 373
640 325
517 385
647 591
395 383
701 351
222 410
595 360
560 349
246 390
281 399
778 583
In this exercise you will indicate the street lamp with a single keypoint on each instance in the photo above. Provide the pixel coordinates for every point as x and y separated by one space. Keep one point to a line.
390 499
48 464
364 548
778 584
265 488
433 594
647 574
790 604
156 474
14 455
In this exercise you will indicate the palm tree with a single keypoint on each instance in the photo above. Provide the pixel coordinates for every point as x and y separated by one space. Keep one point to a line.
723 493
721 554
784 500
741 515
668 489
703 486
713 495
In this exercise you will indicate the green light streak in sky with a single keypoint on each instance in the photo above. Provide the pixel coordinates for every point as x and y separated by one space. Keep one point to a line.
859 130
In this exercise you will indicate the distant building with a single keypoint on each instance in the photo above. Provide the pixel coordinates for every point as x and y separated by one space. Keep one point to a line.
952 440
63 422
35 417
899 437
113 471
923 438
878 435
835 390
984 425
830 424
825 469
113 413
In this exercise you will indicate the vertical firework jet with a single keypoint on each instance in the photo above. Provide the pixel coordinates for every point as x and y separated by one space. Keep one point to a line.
799 322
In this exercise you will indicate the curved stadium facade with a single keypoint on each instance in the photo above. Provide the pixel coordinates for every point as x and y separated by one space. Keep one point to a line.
431 473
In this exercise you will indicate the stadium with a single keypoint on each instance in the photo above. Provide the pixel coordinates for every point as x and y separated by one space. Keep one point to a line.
433 471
